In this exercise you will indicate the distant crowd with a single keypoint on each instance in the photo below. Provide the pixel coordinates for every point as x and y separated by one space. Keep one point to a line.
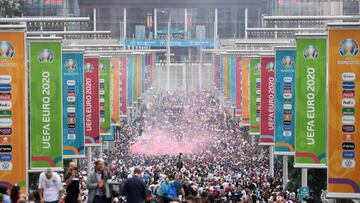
202 157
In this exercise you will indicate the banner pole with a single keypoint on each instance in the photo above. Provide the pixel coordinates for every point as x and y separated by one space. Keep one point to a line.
271 161
304 177
101 148
285 171
89 151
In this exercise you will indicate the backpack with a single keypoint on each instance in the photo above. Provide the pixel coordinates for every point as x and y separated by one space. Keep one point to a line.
171 192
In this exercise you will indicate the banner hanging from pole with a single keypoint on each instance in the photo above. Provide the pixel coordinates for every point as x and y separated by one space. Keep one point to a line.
139 75
255 93
104 93
46 105
233 79
343 109
123 82
13 116
130 70
285 67
228 77
245 91
73 102
310 102
267 101
115 91
225 78
91 97
135 78
238 87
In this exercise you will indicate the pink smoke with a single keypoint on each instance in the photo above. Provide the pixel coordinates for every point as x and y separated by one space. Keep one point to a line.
160 142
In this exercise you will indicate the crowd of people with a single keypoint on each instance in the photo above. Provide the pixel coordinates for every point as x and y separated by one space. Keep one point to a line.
222 165
182 147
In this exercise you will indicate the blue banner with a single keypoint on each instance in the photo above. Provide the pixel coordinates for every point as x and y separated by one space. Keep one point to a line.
110 136
130 79
285 101
73 97
173 43
233 79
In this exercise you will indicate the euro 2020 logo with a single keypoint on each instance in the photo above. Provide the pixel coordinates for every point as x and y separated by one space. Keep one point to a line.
348 48
311 52
287 62
102 67
45 56
70 65
270 67
257 67
7 50
89 68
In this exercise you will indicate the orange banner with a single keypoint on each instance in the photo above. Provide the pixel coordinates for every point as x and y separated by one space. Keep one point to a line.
344 112
245 91
115 91
12 109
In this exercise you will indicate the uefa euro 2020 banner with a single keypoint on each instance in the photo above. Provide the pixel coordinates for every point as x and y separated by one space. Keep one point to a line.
267 114
91 100
115 90
255 96
285 100
73 103
123 81
238 108
343 108
104 93
45 104
310 102
245 91
13 128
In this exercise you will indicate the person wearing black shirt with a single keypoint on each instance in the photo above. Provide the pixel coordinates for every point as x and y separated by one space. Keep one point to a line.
72 184
135 188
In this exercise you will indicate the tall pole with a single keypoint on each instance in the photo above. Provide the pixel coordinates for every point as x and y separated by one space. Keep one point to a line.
304 175
168 57
200 69
216 27
186 23
271 162
124 23
155 23
94 19
89 156
285 171
246 23
184 77
101 147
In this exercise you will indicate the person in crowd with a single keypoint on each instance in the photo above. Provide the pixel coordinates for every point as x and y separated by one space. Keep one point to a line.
15 193
170 189
150 197
97 184
72 184
50 187
5 196
134 188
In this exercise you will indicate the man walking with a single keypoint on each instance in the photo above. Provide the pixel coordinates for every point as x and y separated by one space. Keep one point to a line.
97 184
135 188
50 186
72 184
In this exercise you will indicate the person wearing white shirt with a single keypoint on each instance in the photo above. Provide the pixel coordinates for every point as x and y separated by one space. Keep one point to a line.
50 186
